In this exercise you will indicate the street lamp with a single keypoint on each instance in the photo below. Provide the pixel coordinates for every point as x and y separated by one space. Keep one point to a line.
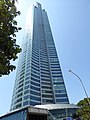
81 84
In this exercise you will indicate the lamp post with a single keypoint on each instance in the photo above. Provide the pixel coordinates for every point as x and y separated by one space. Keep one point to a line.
81 84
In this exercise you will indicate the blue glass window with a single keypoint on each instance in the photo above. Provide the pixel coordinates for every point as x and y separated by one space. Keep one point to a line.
35 88
28 86
35 93
27 91
60 95
35 98
34 103
59 87
27 78
62 100
36 84
58 83
34 79
26 97
60 91
26 103
35 75
27 82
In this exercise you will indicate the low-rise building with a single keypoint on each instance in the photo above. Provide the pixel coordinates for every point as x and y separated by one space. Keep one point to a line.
26 113
60 111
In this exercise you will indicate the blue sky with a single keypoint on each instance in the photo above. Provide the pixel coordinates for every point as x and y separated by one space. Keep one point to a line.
70 24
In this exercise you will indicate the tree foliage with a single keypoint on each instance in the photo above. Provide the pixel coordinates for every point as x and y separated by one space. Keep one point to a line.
84 111
8 29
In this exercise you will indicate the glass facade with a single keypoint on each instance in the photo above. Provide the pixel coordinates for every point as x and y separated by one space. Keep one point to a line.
19 115
60 111
39 78
26 113
62 114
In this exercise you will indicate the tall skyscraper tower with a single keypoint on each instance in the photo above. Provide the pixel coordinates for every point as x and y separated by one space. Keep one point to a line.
39 79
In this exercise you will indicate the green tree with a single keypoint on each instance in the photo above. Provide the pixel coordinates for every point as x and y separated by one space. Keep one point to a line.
8 29
84 111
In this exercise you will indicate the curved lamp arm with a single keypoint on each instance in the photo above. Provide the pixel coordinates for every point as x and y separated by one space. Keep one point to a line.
82 85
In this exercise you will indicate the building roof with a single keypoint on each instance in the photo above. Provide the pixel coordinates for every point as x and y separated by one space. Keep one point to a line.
57 106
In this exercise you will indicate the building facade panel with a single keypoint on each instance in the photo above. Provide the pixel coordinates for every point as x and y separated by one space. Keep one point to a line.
39 78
